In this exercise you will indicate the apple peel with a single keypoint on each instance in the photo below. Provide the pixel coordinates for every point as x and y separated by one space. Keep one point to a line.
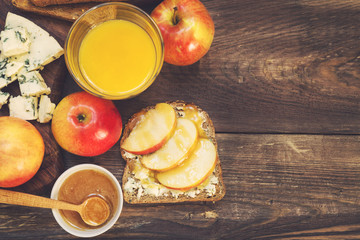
176 149
194 170
151 131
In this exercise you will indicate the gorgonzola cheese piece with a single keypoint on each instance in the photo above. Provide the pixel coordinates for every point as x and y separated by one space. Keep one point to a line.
15 41
43 49
13 68
23 107
3 98
4 80
46 109
32 84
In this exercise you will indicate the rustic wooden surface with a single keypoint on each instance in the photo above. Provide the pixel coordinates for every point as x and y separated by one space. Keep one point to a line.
281 83
54 75
70 12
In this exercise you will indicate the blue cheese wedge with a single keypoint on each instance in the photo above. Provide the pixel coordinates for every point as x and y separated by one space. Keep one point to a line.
46 109
12 68
43 48
15 41
4 79
32 84
4 96
23 107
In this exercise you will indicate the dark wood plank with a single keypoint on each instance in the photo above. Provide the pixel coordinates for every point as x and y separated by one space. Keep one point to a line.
278 186
274 66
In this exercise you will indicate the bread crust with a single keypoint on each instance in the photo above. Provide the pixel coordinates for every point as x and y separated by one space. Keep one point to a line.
207 126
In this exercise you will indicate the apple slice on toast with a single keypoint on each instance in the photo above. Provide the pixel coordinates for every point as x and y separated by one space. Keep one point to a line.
194 170
175 150
151 131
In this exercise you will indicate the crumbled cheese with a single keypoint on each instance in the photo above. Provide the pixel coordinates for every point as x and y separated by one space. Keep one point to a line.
152 190
129 155
32 84
176 193
144 182
131 185
46 109
210 188
192 192
23 107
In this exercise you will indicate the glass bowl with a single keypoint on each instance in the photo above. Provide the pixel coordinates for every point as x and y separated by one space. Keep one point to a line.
100 14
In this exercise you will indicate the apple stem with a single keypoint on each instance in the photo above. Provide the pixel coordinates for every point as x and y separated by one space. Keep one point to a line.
81 117
175 19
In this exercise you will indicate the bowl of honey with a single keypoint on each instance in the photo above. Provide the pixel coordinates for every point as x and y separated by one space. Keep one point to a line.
82 182
114 51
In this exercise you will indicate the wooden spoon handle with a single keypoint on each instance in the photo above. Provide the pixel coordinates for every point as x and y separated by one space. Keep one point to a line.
24 199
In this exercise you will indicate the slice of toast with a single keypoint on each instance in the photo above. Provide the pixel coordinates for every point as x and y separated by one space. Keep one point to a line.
139 183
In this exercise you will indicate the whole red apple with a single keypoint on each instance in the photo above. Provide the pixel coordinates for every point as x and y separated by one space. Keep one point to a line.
86 125
187 30
21 151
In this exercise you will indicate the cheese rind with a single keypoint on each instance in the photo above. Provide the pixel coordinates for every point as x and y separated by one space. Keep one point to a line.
32 84
43 49
23 107
46 109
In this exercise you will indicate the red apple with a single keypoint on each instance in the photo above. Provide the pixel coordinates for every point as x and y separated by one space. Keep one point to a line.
187 30
21 151
86 125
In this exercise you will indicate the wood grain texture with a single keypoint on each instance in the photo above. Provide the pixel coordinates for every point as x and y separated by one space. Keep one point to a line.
70 12
278 187
54 75
274 66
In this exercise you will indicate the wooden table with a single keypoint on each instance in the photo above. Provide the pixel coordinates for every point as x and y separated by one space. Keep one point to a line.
281 83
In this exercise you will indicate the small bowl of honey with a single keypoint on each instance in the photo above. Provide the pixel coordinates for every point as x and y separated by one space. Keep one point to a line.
80 183
114 51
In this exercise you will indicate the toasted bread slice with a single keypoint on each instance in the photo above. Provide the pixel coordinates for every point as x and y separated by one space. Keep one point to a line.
139 183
